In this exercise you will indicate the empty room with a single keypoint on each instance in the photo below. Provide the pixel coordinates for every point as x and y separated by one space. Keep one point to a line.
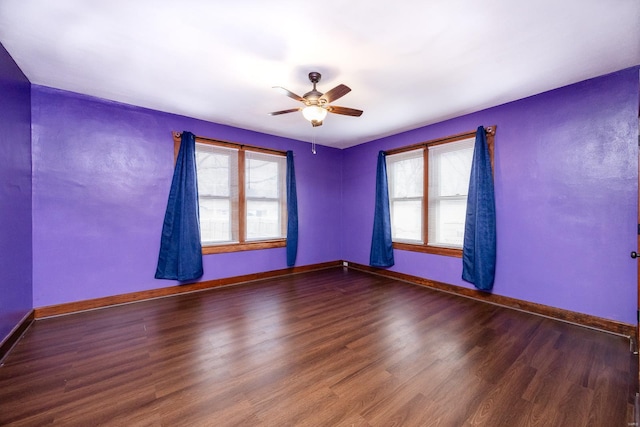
328 213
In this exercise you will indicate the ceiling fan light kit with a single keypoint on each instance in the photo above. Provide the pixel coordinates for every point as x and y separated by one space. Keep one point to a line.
314 113
317 104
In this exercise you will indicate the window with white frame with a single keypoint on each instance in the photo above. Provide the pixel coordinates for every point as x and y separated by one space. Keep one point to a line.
265 193
449 173
405 172
428 186
218 193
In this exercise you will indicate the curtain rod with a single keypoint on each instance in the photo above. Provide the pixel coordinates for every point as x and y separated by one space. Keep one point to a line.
177 135
489 130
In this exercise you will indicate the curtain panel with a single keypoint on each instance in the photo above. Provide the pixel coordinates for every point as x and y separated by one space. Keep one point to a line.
180 256
479 249
292 212
381 245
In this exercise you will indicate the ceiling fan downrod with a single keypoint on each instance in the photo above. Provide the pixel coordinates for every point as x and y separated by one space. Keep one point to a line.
313 96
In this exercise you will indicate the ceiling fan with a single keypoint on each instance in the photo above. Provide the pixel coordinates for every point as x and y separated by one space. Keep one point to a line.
316 103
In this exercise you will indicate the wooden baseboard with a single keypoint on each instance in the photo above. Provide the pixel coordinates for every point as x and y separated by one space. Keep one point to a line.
73 307
15 334
581 319
531 307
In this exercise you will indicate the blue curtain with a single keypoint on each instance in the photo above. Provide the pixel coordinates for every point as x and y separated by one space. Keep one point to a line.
479 250
292 212
180 255
381 245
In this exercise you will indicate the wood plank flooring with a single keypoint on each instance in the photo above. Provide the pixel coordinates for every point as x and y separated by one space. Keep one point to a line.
335 347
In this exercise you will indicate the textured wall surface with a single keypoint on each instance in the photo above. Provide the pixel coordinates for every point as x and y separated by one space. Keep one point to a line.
15 195
566 182
102 173
566 192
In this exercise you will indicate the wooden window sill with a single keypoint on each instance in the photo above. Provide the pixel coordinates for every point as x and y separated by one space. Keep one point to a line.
428 249
247 246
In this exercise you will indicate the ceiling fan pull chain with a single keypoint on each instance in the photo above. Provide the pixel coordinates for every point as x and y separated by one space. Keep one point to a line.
313 142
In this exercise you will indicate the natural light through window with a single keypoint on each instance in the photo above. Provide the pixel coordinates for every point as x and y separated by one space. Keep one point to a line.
449 172
428 187
265 189
217 193
242 196
405 176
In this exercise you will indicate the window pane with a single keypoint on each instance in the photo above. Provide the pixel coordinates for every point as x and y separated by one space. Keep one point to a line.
448 218
450 168
263 219
261 177
405 172
455 170
449 172
216 167
406 218
215 220
265 195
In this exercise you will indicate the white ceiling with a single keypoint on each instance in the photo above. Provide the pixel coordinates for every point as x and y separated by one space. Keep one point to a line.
409 63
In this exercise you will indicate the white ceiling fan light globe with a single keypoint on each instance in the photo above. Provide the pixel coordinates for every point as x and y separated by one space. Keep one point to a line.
314 112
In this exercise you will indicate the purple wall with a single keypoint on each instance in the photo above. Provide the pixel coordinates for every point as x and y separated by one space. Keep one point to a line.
566 192
566 182
102 172
15 195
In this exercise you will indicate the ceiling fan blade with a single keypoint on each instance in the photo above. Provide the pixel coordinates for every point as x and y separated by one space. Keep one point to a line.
344 111
335 93
292 110
289 93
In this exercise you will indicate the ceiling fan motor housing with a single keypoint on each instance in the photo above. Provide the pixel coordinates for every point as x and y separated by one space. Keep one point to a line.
313 95
314 76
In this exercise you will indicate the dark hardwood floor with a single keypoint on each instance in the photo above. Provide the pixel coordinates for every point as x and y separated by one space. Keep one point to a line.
327 348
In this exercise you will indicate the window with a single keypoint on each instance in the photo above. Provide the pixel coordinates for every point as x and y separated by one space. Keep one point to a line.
405 176
218 193
265 196
449 173
242 196
428 185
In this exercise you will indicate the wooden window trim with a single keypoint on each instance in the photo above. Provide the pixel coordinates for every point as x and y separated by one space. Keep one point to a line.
242 202
424 247
246 246
242 208
222 143
490 132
